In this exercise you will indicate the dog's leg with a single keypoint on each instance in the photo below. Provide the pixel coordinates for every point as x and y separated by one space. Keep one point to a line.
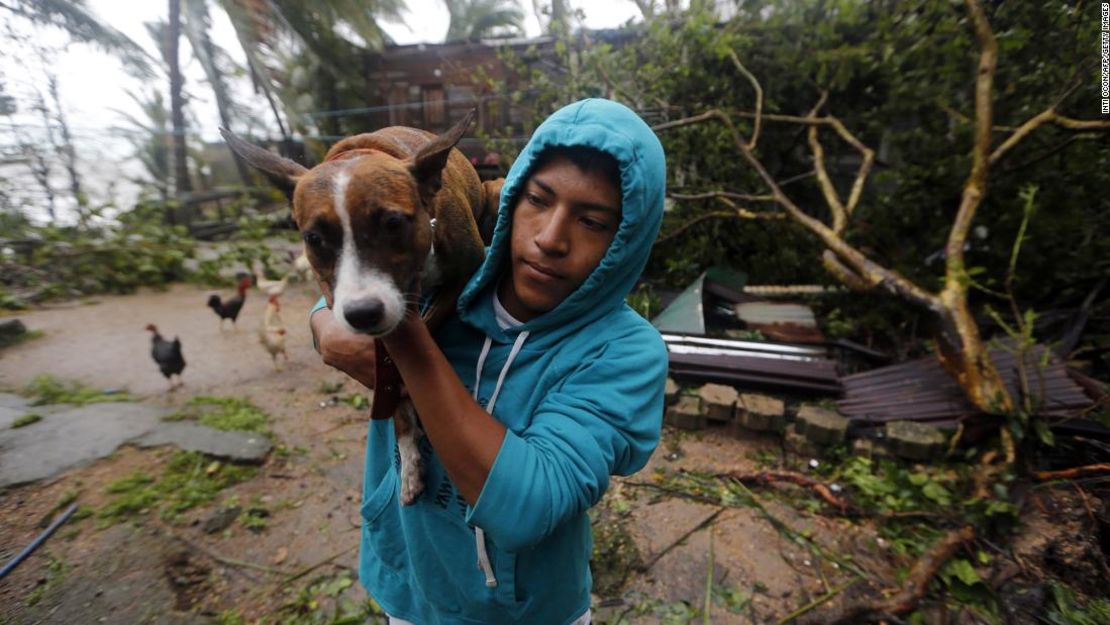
412 464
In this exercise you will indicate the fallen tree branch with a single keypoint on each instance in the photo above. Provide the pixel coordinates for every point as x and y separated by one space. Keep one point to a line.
817 602
681 539
223 560
708 195
913 589
1072 473
768 477
313 567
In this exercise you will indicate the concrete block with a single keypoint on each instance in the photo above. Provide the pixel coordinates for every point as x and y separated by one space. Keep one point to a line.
671 391
869 448
797 443
760 413
719 401
687 413
914 441
821 426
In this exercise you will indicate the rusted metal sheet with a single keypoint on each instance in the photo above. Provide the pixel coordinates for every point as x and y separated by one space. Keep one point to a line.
780 321
921 390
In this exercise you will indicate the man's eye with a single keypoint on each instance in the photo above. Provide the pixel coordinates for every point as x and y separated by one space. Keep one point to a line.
594 224
534 199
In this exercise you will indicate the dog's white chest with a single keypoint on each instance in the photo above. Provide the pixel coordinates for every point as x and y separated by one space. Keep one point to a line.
432 276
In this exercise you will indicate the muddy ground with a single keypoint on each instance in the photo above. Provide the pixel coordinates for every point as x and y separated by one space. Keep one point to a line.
766 563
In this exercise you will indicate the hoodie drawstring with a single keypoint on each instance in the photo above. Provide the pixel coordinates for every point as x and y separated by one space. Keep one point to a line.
479 533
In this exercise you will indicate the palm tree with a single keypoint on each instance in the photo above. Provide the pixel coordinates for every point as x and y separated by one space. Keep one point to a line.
182 182
474 19
150 136
284 37
74 17
197 24
554 17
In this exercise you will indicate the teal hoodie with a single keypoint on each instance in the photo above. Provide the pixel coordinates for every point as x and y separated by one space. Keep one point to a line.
580 390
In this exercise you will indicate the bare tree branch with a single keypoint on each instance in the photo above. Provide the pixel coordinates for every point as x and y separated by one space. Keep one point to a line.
708 195
735 212
1047 116
840 218
869 271
758 98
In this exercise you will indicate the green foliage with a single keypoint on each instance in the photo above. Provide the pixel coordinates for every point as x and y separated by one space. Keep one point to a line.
229 617
900 77
645 301
249 246
98 256
47 389
18 339
26 420
615 554
892 487
189 479
223 413
55 570
322 602
1067 610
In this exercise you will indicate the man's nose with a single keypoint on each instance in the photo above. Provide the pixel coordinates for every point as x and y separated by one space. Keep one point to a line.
552 237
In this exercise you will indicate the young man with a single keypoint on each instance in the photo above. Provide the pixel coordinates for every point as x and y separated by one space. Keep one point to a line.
542 386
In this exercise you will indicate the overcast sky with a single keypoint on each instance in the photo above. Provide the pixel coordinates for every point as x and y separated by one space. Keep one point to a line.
95 88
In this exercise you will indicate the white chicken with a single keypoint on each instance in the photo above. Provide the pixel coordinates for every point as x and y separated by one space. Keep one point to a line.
303 268
272 332
272 288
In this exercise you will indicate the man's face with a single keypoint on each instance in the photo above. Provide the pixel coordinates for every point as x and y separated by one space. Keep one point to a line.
563 222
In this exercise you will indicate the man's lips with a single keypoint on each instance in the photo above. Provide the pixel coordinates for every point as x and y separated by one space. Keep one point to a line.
543 269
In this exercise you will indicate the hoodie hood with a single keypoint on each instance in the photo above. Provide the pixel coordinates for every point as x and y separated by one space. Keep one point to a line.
611 128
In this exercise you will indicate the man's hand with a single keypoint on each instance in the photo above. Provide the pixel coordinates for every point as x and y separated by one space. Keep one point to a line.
342 349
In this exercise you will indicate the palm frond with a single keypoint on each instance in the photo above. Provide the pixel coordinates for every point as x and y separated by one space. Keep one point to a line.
74 17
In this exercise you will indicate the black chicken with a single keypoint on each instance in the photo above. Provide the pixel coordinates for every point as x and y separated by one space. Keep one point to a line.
168 356
230 308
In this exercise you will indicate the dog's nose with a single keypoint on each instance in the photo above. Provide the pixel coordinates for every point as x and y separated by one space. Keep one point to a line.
364 314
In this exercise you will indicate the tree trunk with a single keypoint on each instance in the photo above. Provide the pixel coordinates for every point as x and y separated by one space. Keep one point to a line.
69 154
197 27
177 103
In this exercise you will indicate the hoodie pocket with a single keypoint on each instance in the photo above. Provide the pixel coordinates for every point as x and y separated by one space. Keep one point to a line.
382 514
504 568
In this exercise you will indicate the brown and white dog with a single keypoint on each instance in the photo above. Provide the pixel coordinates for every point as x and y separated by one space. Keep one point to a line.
387 214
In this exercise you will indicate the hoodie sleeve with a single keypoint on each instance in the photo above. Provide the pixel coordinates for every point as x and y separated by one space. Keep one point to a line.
605 419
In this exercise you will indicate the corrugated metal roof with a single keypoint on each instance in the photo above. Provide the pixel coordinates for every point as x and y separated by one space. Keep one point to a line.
752 363
921 390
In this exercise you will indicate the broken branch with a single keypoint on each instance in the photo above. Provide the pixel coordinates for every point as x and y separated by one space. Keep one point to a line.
1072 473
758 97
913 589
768 477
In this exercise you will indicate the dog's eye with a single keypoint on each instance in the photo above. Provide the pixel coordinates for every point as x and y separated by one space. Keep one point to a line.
393 222
312 239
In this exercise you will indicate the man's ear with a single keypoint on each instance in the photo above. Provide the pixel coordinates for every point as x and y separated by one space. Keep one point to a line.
427 166
283 172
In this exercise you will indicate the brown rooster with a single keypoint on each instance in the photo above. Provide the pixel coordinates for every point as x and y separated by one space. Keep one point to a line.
168 356
229 309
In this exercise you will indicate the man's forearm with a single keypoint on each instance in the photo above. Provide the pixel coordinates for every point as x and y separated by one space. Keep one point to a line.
466 438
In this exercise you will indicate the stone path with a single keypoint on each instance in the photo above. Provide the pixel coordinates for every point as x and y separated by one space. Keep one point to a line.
71 436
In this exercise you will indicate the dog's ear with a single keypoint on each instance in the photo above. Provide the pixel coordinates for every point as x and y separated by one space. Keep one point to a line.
427 166
283 172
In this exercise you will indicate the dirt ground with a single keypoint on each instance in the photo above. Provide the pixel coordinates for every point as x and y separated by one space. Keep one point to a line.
148 571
